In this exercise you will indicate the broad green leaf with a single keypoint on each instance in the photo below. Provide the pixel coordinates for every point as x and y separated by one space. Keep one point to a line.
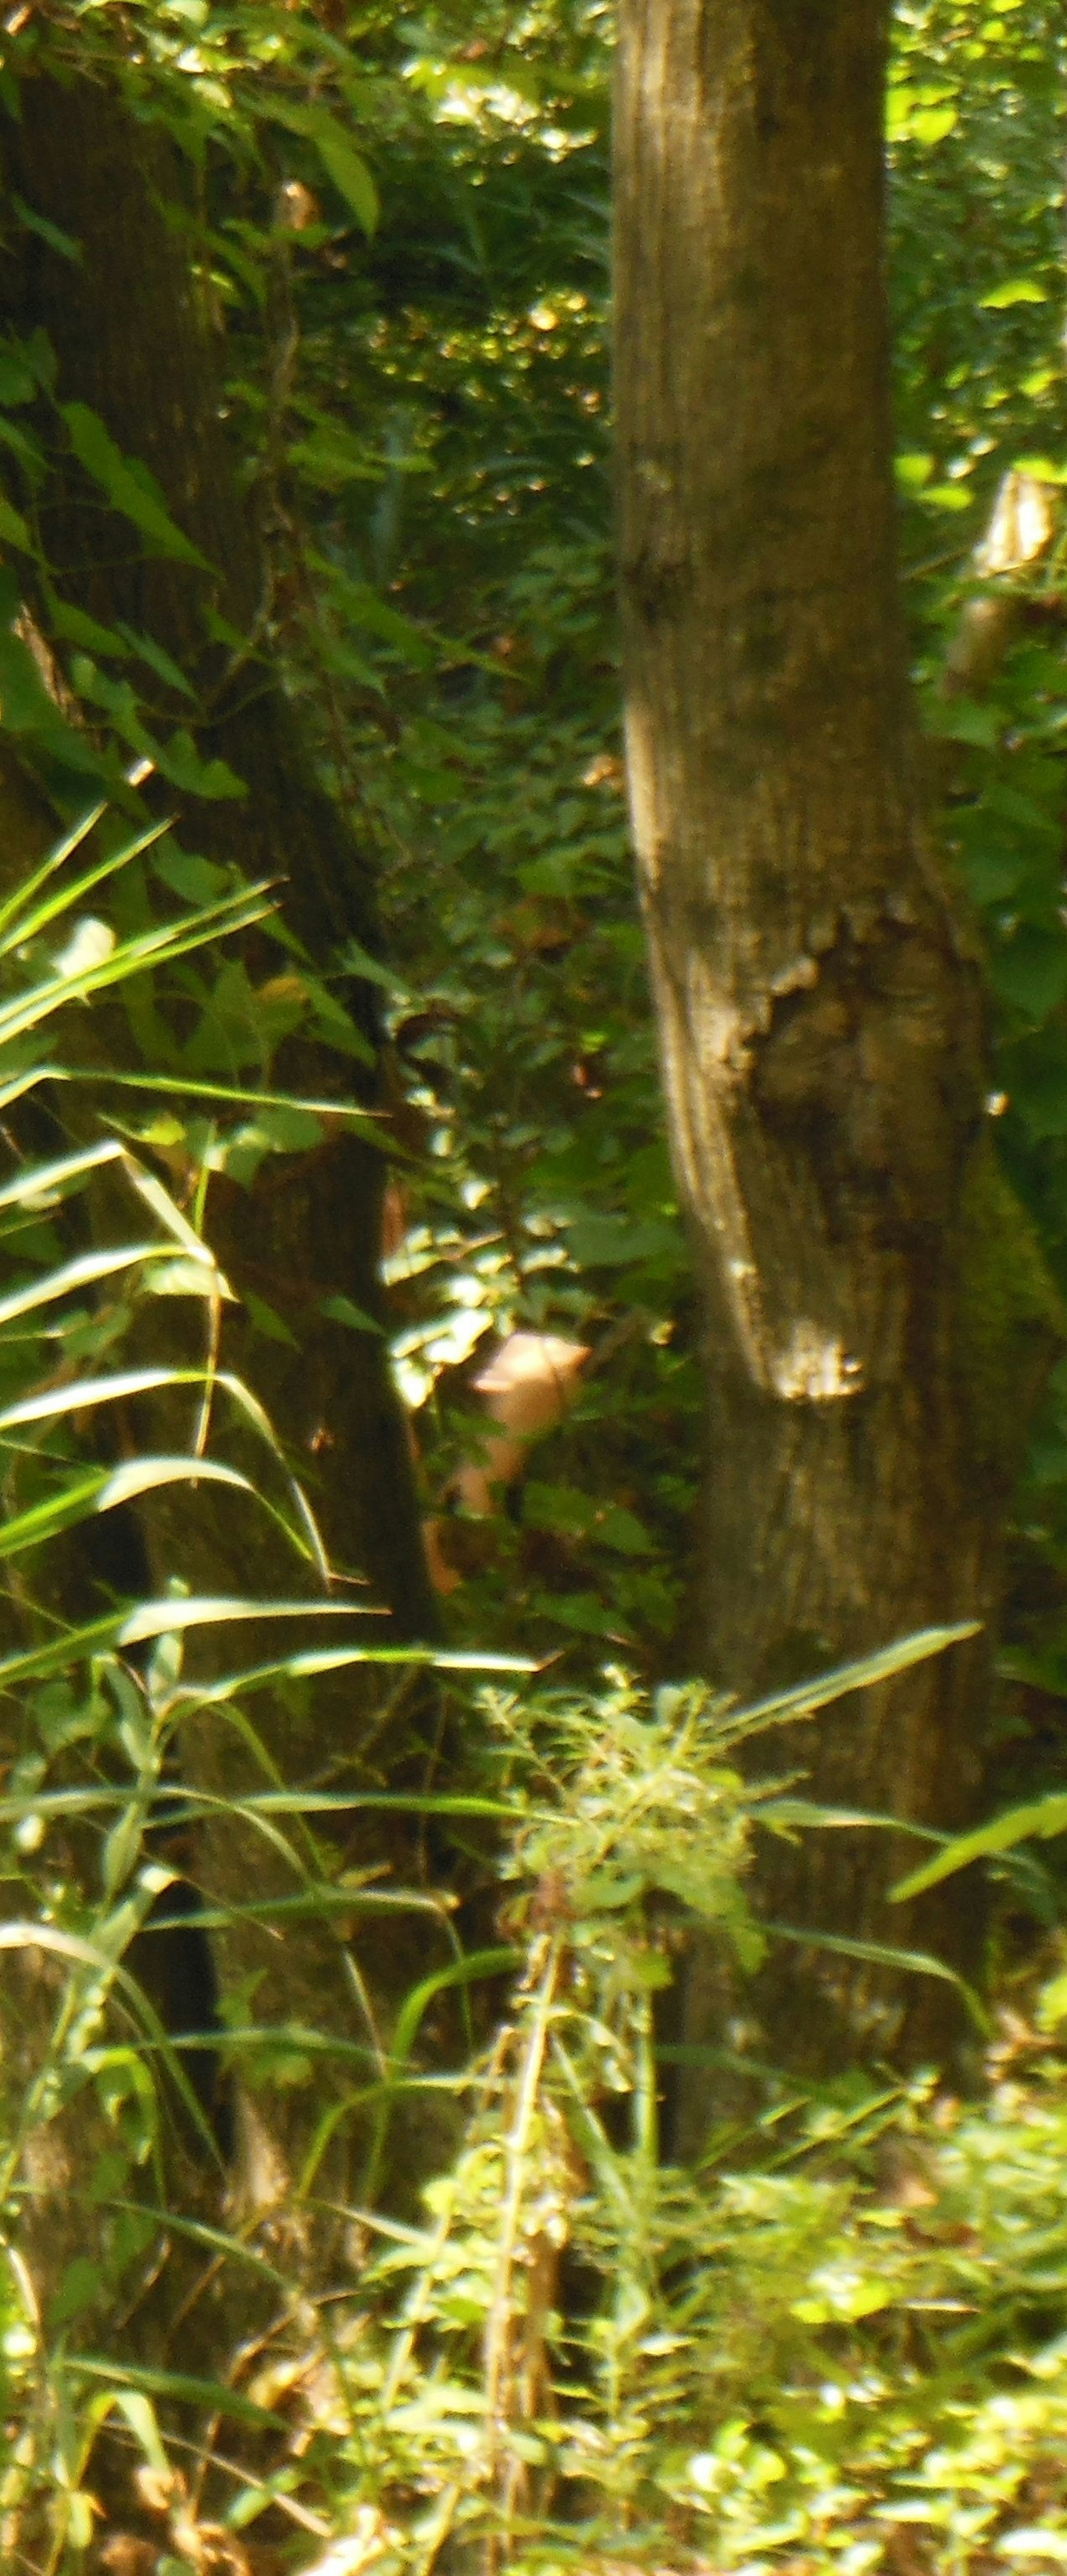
1030 969
931 124
196 880
602 1241
337 153
129 486
349 172
79 2285
357 960
178 760
963 720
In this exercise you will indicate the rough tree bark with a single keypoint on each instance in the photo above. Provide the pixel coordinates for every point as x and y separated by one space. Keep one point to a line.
819 1011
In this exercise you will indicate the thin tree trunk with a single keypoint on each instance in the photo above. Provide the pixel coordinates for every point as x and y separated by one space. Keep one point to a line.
820 1017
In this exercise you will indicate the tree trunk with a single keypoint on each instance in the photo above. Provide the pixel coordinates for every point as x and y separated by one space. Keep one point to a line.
131 341
820 1015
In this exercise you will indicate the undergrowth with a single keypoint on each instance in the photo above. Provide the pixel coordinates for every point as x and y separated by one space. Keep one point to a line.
527 2340
840 2337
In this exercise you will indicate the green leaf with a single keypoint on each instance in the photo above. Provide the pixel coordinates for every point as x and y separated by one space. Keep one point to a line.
475 1965
1044 469
158 661
963 720
196 880
350 175
599 1242
79 2285
18 384
330 458
341 1310
1016 290
147 1475
63 243
13 529
338 155
912 471
130 487
26 707
178 760
264 1319
1030 970
140 2415
83 1272
357 960
211 2394
931 124
882 1666
164 1618
881 1954
1040 1819
74 626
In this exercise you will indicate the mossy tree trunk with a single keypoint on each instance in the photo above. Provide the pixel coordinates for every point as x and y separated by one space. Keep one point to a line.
819 1012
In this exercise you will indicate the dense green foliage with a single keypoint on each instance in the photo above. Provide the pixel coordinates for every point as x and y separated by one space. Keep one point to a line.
843 2336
